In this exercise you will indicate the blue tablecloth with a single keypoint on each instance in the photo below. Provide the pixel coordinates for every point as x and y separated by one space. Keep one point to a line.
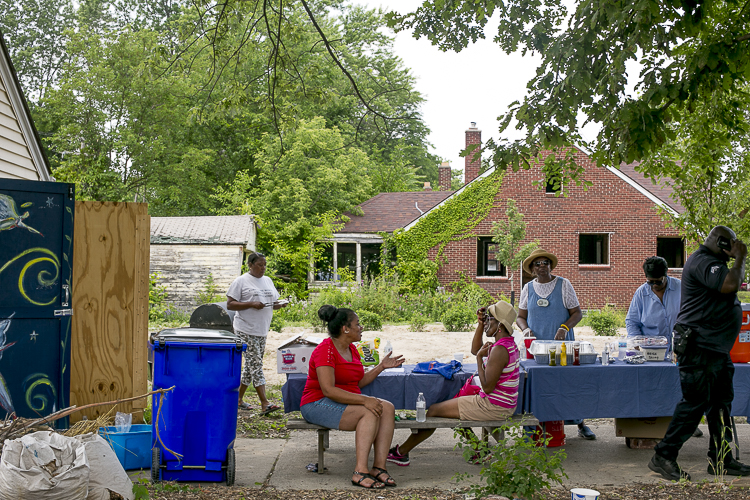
619 390
401 389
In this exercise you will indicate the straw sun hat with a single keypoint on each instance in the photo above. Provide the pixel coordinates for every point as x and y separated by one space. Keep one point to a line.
534 256
503 313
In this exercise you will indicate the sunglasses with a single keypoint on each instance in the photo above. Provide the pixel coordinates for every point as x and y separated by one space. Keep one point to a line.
541 263
658 282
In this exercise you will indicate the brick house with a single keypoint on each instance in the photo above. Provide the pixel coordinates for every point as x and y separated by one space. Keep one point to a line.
601 235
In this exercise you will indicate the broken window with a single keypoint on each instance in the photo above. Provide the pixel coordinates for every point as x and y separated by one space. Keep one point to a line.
593 248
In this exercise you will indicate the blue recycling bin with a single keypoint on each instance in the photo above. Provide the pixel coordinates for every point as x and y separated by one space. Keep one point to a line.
198 419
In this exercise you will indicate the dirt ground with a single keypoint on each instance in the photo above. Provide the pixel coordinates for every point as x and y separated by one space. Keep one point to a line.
432 344
665 491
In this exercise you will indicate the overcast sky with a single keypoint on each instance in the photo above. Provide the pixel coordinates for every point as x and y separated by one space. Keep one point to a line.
474 85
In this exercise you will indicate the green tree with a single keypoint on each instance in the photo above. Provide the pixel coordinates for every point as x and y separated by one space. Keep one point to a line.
684 53
708 167
299 191
508 236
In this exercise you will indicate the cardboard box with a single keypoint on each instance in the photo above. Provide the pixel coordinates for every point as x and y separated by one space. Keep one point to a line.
653 428
293 355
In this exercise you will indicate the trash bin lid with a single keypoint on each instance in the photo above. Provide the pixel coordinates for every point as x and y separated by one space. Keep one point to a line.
197 335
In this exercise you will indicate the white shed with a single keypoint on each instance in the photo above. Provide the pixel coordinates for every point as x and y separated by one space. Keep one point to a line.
21 153
184 250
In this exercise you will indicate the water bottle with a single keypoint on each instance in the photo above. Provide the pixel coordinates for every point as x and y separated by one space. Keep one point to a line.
387 349
421 408
622 347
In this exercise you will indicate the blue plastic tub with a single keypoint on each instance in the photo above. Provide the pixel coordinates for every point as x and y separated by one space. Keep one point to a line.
198 419
133 448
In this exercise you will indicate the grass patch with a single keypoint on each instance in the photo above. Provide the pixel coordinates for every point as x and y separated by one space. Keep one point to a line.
744 296
250 424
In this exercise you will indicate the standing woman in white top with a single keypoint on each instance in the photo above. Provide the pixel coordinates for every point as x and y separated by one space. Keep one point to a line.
549 309
254 298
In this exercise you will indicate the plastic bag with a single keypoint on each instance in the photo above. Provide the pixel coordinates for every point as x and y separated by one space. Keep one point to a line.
44 466
445 369
106 472
123 421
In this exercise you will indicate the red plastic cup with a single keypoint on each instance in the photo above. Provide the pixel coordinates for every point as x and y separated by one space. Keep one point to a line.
528 341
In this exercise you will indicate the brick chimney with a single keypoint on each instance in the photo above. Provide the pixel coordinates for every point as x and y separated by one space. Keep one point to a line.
444 176
471 168
427 186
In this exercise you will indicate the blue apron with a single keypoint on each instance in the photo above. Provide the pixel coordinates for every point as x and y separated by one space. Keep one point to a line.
545 321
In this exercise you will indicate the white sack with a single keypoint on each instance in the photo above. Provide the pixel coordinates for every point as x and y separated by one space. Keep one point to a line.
44 466
106 473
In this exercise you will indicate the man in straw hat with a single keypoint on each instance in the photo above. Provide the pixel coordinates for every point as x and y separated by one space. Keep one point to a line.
549 309
498 372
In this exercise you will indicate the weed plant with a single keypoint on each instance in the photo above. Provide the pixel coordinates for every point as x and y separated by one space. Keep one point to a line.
514 467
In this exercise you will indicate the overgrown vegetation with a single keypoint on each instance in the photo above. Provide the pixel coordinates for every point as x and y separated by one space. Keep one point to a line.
514 467
604 321
384 298
210 293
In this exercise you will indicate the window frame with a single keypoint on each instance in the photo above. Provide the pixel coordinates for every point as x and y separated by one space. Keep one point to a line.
608 256
684 252
482 269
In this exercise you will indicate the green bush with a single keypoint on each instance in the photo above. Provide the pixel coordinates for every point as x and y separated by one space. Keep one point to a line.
458 319
210 292
157 297
417 322
277 323
604 322
417 276
370 321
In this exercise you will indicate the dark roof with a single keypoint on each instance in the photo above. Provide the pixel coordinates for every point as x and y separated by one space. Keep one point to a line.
663 192
390 211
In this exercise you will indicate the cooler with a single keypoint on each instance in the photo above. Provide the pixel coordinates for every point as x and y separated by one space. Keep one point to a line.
741 351
198 419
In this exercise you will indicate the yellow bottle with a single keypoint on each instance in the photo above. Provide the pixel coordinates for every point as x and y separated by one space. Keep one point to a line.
563 355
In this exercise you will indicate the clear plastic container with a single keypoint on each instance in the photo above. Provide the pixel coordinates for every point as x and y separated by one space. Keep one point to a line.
421 408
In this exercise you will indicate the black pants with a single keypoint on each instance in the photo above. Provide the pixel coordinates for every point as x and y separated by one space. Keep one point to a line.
706 378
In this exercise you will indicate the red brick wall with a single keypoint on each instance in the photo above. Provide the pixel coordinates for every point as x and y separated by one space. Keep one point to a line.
610 205
471 165
444 177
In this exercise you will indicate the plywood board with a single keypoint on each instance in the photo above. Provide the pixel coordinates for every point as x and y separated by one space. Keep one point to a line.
110 306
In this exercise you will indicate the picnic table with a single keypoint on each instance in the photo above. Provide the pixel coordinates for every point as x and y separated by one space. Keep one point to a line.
619 390
399 387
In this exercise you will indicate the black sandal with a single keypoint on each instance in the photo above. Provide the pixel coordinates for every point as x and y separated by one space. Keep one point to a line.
372 486
389 481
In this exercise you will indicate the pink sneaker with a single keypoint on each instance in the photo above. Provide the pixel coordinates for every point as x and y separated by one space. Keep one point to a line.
397 458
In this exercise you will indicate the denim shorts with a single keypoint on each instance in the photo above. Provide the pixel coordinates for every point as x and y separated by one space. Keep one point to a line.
325 412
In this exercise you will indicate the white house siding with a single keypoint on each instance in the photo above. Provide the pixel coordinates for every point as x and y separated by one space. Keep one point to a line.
184 269
15 158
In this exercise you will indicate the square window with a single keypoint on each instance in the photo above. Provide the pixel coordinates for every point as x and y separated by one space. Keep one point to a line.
673 250
593 248
487 262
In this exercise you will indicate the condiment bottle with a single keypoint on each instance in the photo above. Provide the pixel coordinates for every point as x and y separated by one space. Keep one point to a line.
576 354
563 355
605 356
552 353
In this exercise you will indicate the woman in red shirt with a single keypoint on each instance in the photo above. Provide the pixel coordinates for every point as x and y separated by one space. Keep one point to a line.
332 396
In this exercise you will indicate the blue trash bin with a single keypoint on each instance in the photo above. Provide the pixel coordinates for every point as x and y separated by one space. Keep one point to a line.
198 419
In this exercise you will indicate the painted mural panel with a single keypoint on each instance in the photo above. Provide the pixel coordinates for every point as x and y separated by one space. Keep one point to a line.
36 235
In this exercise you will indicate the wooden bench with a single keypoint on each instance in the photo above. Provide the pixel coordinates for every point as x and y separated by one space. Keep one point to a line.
488 427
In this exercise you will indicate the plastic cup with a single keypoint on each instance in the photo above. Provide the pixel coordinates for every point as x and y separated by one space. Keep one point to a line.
583 494
459 356
528 341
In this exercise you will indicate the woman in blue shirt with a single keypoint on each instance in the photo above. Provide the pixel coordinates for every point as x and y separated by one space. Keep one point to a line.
655 305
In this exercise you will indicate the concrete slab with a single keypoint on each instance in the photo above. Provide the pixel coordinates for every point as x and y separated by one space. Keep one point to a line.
603 462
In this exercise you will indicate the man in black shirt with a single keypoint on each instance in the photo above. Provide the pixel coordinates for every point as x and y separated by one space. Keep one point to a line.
707 326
